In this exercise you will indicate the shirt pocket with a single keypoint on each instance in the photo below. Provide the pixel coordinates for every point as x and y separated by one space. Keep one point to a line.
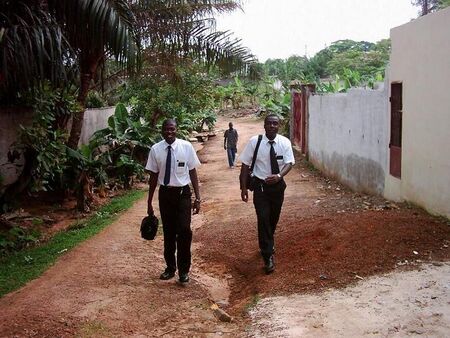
181 167
280 160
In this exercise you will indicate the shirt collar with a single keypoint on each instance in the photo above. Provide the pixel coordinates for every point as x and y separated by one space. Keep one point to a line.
173 145
266 140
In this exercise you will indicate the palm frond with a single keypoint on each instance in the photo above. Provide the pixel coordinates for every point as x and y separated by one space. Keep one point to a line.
32 49
184 30
93 25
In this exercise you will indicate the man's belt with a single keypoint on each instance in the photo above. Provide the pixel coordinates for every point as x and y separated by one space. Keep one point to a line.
172 187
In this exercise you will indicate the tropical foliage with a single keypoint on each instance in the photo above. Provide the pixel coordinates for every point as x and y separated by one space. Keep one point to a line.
428 6
69 42
189 99
262 96
336 61
159 51
343 64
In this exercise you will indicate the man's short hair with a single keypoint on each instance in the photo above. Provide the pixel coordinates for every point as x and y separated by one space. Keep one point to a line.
168 121
271 115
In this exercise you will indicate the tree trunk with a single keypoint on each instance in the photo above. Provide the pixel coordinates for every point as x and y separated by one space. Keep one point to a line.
88 67
77 122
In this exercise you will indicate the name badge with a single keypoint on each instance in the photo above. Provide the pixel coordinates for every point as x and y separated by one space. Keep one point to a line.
181 164
279 157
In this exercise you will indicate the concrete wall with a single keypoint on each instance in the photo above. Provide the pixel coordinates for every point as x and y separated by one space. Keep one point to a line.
420 59
10 121
348 138
94 119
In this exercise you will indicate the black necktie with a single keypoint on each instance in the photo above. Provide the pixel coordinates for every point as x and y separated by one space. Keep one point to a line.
273 160
168 165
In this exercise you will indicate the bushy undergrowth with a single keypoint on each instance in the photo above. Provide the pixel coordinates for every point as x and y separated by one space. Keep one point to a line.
17 238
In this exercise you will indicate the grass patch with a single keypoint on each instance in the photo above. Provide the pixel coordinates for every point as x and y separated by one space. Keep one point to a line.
253 302
19 268
94 329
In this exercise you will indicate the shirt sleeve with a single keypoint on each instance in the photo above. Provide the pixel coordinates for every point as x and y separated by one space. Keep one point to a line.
225 134
289 154
193 161
152 164
247 155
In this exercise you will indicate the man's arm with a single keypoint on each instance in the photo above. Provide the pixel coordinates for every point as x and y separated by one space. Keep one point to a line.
152 183
225 139
194 180
243 178
272 179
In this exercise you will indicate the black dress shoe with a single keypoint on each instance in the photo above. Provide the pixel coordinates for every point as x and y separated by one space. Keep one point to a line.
167 275
269 266
184 278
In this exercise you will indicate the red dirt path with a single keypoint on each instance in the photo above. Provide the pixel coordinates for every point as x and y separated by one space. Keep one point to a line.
327 237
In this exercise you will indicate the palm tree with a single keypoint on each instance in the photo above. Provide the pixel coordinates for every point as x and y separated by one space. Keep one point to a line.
33 48
60 39
46 39
97 30
181 31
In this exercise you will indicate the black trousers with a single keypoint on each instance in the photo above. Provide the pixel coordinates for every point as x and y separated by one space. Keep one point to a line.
175 208
268 200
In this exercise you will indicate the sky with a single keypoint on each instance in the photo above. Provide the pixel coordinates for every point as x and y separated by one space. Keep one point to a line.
281 28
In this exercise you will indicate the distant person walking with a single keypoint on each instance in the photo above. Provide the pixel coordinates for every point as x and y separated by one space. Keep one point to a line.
274 159
172 163
230 143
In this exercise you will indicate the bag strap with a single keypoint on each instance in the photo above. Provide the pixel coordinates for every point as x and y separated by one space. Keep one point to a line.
256 152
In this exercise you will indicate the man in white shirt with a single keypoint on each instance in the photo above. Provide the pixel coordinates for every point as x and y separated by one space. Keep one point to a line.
274 159
172 164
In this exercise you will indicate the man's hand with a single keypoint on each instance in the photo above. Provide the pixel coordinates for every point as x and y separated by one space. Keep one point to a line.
272 179
244 195
196 206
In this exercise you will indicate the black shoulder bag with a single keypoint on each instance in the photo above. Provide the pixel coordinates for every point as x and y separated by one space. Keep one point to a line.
250 179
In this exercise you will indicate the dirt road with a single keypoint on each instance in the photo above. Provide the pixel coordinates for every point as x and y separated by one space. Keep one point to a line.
327 237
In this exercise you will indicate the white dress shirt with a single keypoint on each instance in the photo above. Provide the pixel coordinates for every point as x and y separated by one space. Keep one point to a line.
184 158
262 169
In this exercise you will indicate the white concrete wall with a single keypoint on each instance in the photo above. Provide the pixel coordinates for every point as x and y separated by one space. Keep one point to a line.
420 59
10 121
348 139
94 119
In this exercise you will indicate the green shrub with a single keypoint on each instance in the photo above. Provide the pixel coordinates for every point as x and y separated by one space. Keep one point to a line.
44 142
95 100
190 100
17 238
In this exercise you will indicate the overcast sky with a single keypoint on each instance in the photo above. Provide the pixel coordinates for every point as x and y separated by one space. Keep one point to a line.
281 28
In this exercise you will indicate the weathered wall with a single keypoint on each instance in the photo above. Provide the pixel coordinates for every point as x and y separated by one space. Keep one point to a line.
94 119
10 121
348 138
420 59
